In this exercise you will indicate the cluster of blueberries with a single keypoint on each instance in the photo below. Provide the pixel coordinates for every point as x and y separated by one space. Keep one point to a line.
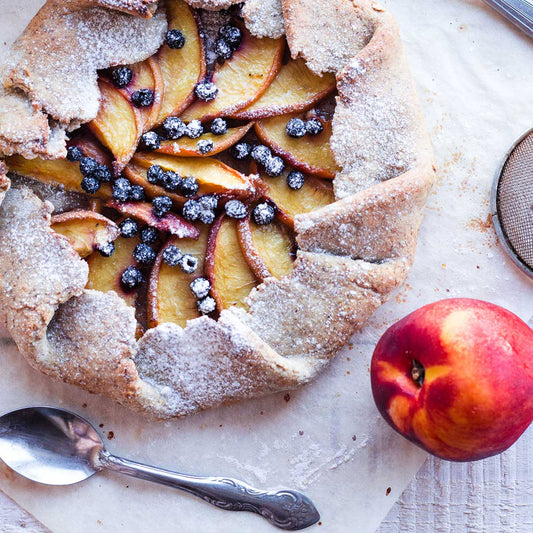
173 128
273 165
229 39
144 254
297 128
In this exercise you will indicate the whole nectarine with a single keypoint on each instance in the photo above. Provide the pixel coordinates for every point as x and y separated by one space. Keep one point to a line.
456 378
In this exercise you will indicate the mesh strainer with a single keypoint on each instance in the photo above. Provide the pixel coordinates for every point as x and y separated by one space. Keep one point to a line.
512 203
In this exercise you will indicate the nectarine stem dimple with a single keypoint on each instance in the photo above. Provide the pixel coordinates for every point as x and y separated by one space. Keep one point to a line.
418 373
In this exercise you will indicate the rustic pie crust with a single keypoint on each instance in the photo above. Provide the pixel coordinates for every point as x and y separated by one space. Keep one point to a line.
351 254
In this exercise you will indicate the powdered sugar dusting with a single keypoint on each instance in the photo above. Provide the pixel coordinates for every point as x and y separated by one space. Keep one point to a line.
264 18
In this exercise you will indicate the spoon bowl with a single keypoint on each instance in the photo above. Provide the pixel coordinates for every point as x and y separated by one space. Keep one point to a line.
48 445
56 447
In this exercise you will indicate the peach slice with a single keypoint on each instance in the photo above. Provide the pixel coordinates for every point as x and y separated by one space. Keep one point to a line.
231 277
169 295
295 88
146 75
105 272
170 223
188 147
213 176
117 124
85 230
268 249
310 154
242 79
315 194
54 172
181 69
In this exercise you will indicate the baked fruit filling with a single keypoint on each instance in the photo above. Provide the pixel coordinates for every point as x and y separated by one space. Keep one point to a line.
193 171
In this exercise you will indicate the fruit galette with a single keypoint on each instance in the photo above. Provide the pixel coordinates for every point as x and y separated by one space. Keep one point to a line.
206 199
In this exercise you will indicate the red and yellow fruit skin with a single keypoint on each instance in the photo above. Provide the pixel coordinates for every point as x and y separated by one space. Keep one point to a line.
477 395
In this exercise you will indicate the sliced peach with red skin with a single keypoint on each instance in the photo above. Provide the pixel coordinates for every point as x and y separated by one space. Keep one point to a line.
181 69
90 147
295 88
117 124
53 172
311 154
86 230
268 248
105 273
189 147
242 79
170 223
231 277
314 194
169 294
213 176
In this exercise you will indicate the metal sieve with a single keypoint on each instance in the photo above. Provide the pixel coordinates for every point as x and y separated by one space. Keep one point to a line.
512 203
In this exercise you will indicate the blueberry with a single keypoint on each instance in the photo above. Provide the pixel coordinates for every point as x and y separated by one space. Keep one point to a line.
102 174
188 263
151 140
241 150
175 39
128 228
137 193
207 216
295 180
90 185
144 254
208 201
131 278
174 128
219 126
191 210
314 126
206 91
223 49
261 154
74 153
274 166
161 205
200 287
236 209
231 34
194 129
189 186
142 98
263 214
207 305
296 128
107 249
149 235
205 146
155 174
121 190
121 76
172 255
88 165
171 181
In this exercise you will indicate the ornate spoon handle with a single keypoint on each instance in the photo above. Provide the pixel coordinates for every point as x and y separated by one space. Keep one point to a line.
519 12
286 509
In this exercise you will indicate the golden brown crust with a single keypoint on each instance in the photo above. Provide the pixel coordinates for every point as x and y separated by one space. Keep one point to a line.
353 253
51 75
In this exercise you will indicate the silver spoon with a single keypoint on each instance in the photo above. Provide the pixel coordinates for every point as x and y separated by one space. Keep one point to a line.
57 447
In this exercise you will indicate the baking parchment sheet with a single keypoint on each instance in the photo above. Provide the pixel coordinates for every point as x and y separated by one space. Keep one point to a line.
475 75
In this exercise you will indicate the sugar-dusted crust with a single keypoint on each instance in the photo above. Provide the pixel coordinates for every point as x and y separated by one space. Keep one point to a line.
352 254
51 76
